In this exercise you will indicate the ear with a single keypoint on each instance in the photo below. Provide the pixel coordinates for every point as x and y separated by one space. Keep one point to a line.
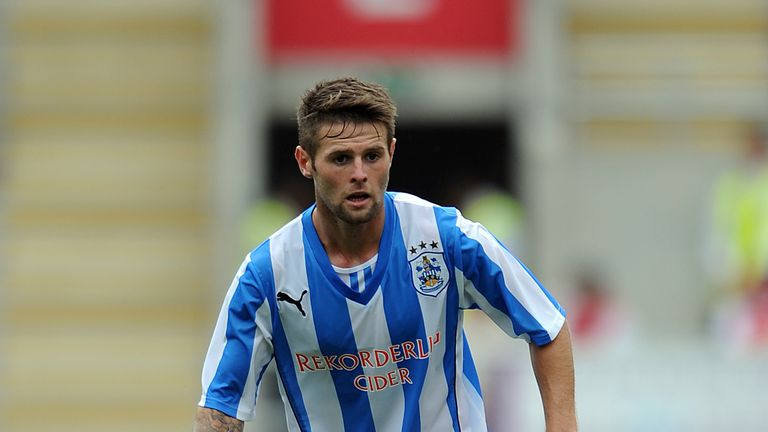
392 150
304 161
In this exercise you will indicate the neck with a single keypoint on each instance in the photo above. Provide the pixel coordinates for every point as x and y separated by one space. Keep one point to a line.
347 245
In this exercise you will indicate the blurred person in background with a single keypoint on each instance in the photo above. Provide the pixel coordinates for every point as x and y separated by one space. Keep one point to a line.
265 216
738 264
360 299
499 212
599 320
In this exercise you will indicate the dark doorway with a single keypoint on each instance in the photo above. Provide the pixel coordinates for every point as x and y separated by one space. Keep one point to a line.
439 162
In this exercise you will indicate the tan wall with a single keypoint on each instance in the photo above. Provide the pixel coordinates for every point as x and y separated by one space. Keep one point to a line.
106 196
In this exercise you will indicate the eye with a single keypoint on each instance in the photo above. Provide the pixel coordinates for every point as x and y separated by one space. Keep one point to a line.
340 159
372 157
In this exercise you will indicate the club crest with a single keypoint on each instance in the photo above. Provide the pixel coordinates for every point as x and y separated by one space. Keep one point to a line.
429 273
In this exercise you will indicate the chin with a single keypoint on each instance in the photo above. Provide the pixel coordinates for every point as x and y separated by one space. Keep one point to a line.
356 219
360 217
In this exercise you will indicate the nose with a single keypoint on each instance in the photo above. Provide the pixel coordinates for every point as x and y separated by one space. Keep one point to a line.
358 171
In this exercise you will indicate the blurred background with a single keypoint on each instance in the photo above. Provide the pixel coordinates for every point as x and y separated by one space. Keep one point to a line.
619 148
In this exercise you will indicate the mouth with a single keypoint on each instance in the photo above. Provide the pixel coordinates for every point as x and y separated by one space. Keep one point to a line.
358 198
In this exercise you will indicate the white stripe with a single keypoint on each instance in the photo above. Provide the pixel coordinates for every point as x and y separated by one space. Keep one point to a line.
260 357
418 225
361 281
516 279
387 406
317 389
290 417
219 338
432 406
469 403
406 198
471 407
500 318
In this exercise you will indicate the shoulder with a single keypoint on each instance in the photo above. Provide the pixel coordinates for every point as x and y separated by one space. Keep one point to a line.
289 232
279 247
406 199
405 202
417 215
413 210
284 246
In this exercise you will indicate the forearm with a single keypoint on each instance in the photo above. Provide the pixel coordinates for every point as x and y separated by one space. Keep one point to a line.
210 420
553 367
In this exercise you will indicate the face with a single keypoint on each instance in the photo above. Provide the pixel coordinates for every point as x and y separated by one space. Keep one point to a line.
350 171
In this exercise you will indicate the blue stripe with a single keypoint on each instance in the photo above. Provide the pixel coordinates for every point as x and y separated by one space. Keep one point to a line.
226 388
488 278
353 282
446 222
469 367
405 322
283 356
367 275
335 337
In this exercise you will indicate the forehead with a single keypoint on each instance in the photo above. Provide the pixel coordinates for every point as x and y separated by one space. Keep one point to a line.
342 134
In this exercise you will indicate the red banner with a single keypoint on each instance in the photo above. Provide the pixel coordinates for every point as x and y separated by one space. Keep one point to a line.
392 29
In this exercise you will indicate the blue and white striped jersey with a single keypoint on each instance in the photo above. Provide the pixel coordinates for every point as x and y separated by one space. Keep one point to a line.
390 357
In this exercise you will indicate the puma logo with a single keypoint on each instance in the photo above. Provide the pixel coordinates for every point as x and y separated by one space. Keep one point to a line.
281 296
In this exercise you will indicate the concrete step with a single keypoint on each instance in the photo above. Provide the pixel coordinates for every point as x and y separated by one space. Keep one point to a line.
74 9
155 76
113 377
660 16
701 57
76 417
105 268
115 173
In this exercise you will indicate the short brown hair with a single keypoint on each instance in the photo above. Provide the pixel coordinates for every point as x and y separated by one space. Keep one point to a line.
343 100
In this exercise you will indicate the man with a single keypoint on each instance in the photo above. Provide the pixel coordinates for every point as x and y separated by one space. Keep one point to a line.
737 263
360 299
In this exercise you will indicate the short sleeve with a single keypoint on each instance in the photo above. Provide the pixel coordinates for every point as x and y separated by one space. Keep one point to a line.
499 284
241 346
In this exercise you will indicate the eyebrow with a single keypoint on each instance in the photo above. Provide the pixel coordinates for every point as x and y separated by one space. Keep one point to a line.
343 148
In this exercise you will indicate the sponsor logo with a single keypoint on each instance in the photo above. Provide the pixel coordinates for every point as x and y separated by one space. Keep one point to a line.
282 296
419 349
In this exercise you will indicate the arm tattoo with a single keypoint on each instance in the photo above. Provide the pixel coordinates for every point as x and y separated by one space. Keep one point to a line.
210 420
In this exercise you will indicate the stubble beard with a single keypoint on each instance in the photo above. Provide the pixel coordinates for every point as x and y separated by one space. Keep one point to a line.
351 218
